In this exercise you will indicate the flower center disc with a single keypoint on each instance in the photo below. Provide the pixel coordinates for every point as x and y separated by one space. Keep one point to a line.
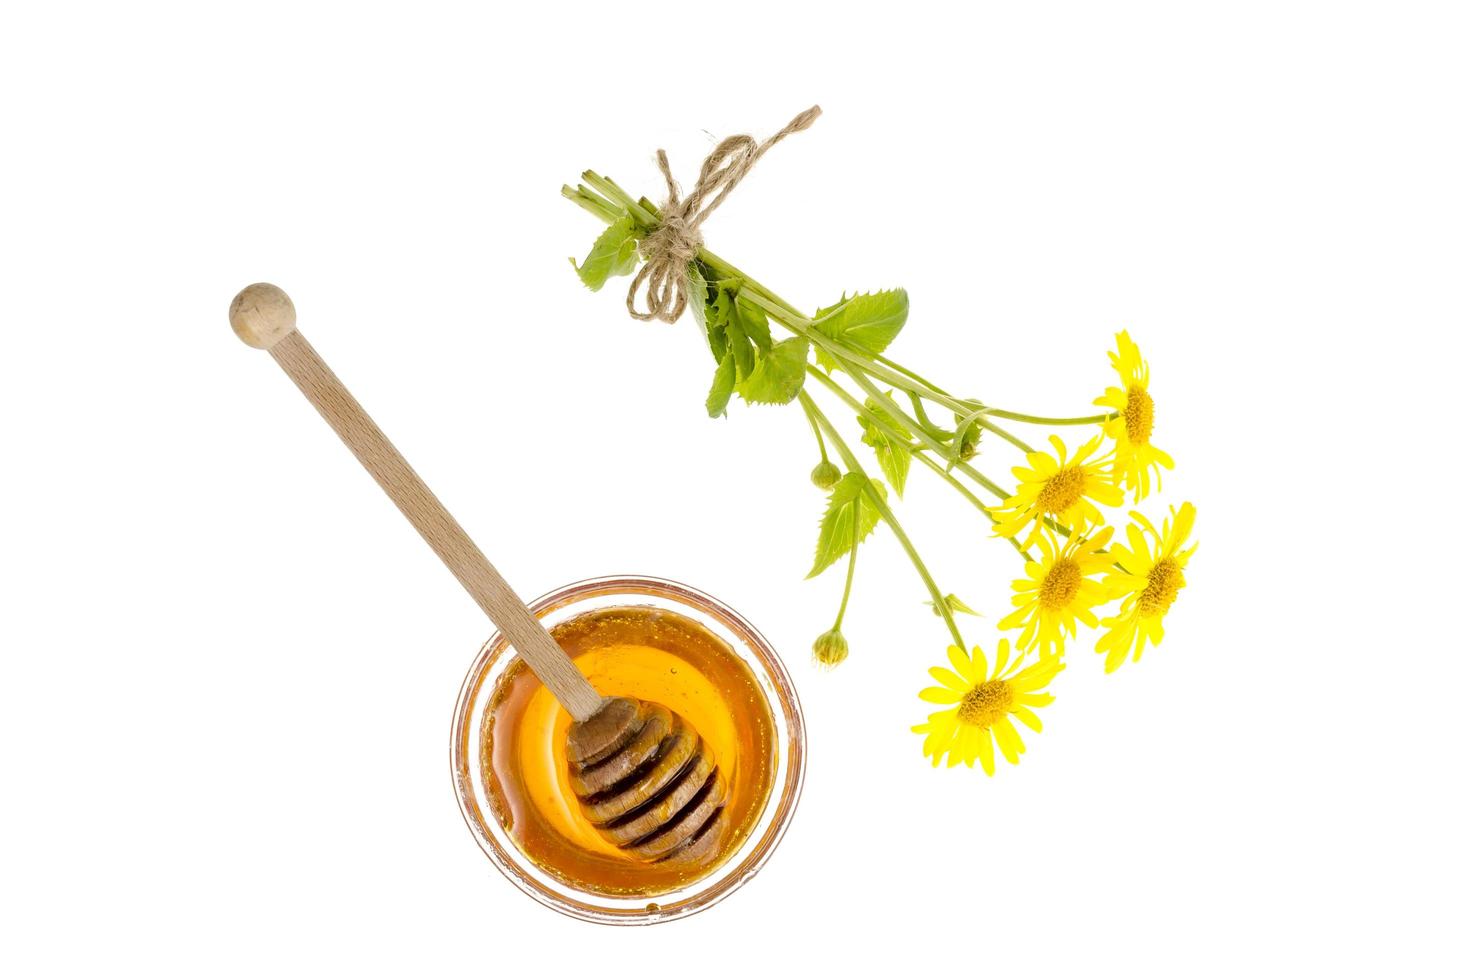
1140 413
985 703
1062 490
1060 585
1162 584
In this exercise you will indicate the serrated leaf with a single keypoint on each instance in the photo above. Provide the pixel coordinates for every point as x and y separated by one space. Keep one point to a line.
717 306
894 456
719 342
778 374
869 321
826 311
722 387
717 312
825 360
752 319
613 254
741 348
849 517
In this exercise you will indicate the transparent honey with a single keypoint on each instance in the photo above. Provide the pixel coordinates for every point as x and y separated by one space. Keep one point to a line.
642 652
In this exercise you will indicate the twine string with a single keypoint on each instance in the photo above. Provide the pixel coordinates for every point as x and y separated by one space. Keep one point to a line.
670 247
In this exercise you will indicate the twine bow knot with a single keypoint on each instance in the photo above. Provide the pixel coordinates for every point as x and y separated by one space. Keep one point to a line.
670 247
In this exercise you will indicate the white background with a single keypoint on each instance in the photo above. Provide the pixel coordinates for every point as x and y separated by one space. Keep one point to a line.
229 667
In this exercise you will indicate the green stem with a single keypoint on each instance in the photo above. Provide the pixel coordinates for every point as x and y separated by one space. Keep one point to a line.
856 363
999 413
922 416
907 381
927 442
923 436
821 446
887 404
906 371
852 561
961 488
608 187
594 203
877 499
918 451
965 491
1002 413
997 430
783 311
804 327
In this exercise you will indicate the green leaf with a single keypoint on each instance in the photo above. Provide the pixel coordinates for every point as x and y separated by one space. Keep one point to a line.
956 606
778 374
849 510
614 254
825 360
752 320
894 457
741 348
722 388
717 312
719 342
869 321
823 312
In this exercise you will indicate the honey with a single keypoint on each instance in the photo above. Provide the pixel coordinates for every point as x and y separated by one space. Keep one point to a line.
642 652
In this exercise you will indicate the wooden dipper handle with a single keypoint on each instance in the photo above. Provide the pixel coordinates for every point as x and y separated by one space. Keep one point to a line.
642 775
263 316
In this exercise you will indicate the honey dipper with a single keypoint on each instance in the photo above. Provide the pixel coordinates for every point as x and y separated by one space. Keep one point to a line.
642 775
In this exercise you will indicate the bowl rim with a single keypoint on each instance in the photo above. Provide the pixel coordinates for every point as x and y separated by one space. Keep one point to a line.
762 840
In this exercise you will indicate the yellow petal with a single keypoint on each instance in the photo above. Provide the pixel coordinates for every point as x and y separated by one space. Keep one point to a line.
949 680
978 665
1008 739
1028 718
939 695
972 739
959 660
1182 519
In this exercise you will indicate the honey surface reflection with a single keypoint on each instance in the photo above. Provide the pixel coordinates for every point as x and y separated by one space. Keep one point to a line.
641 652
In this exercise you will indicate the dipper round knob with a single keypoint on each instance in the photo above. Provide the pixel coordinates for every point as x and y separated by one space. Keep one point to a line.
262 315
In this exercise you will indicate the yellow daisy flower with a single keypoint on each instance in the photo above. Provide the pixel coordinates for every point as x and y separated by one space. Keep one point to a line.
984 706
1059 590
1063 490
1150 583
1136 460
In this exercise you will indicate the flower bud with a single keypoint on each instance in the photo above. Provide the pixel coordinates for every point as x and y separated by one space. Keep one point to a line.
830 649
825 474
969 444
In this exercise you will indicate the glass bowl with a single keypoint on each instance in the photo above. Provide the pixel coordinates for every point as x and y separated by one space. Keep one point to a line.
781 700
